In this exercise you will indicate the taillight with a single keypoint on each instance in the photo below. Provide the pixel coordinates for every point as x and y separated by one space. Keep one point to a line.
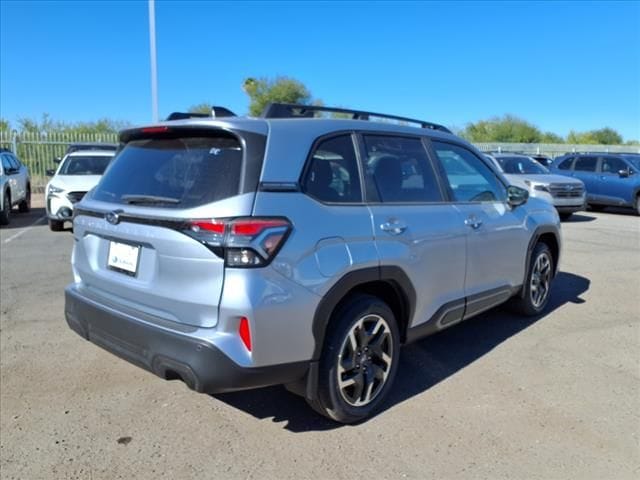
243 242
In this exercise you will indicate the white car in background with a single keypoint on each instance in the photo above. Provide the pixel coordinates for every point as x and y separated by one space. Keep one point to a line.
567 194
77 173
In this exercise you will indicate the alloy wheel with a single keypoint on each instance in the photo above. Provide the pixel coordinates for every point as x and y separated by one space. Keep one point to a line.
365 360
540 280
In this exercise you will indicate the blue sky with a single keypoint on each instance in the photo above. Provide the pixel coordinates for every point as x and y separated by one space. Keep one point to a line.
560 65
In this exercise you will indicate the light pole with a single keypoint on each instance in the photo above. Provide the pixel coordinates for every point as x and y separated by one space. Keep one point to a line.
154 65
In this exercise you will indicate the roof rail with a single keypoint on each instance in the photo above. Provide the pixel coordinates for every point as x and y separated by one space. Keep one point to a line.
293 110
216 112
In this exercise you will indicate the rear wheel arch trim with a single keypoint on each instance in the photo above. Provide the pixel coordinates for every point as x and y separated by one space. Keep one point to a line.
352 280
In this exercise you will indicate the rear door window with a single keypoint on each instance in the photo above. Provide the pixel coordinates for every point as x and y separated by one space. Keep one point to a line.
180 172
586 164
400 169
333 175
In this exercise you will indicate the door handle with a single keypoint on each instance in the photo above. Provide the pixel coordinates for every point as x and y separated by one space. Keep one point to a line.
393 227
473 222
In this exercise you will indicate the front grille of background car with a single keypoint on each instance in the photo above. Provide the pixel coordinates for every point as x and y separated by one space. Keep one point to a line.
75 197
566 190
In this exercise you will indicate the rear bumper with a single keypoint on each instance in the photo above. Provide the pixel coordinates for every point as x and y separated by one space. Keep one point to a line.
169 354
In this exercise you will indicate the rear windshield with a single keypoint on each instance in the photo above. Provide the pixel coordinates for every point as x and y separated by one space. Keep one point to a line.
179 172
85 165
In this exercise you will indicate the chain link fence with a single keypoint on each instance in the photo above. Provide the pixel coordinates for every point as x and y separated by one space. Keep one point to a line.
37 151
554 149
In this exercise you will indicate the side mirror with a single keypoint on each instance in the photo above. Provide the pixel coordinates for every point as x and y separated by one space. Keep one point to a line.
624 173
57 160
517 196
51 172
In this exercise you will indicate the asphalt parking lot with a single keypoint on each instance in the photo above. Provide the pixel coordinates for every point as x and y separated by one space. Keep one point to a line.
555 397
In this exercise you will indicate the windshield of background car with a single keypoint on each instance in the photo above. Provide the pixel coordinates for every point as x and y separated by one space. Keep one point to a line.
85 165
186 171
97 146
521 166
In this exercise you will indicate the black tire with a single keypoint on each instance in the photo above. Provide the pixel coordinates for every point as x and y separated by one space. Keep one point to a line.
565 216
25 205
373 372
5 213
638 204
56 225
529 302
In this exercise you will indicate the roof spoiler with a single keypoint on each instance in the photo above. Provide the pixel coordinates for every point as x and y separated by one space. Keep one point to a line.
292 110
216 112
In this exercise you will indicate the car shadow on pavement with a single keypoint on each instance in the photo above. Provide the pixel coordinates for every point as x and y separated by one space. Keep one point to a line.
619 211
422 364
579 217
22 220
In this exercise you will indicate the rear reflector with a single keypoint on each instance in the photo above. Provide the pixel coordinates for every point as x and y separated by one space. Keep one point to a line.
245 333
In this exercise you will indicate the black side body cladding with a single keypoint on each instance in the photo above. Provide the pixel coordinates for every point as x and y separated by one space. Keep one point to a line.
394 276
457 310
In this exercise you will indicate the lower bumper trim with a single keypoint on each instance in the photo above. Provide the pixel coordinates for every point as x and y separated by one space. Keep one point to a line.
201 365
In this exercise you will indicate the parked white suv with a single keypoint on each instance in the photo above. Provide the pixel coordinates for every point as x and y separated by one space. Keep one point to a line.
15 186
567 194
77 173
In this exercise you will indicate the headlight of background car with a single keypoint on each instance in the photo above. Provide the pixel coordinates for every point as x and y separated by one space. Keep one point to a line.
538 186
53 189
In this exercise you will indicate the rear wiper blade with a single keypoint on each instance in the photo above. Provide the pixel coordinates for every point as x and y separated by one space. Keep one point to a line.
148 199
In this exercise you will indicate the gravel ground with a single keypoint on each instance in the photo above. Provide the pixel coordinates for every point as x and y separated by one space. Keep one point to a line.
555 397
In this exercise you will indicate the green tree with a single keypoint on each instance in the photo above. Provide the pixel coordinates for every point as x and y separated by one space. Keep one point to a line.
550 137
603 136
47 125
262 91
607 136
203 107
508 129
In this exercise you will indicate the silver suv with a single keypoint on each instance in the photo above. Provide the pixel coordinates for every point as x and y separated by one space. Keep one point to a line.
15 186
235 253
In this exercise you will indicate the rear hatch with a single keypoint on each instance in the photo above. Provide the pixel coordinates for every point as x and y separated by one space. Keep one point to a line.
137 235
